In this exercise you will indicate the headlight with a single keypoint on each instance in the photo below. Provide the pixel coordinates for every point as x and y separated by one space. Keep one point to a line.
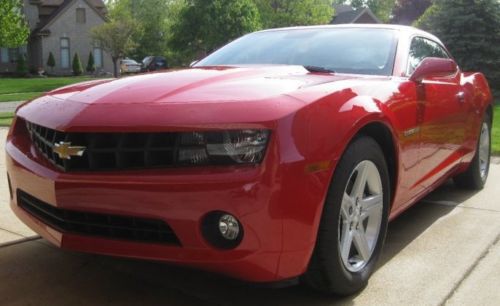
223 148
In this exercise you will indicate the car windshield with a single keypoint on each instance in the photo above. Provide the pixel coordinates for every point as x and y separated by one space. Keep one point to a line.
343 50
147 60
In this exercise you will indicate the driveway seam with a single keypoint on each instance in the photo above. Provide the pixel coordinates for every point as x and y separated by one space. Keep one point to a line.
18 241
17 234
445 203
469 271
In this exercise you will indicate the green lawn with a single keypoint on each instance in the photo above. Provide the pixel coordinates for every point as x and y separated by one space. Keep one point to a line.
19 89
495 137
6 119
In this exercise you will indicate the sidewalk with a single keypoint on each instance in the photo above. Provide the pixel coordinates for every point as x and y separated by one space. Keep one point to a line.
443 251
9 107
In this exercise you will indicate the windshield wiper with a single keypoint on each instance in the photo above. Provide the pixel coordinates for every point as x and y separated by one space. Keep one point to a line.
318 69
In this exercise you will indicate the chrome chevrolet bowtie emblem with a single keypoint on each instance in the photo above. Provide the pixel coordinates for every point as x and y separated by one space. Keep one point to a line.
65 150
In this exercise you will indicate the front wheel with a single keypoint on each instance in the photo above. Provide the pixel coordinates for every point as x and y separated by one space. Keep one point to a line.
475 176
354 221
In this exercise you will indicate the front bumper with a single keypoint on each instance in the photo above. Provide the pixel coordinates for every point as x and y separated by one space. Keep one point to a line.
273 203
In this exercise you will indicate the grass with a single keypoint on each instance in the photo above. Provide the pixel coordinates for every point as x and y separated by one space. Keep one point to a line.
19 89
495 135
6 119
18 96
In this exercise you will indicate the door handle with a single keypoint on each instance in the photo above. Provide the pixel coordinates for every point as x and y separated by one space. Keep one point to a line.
461 97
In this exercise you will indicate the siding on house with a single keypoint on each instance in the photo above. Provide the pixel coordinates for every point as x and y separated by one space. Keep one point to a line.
49 22
78 35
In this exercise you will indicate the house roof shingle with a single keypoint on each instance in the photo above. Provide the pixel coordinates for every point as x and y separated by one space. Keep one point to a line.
347 14
97 5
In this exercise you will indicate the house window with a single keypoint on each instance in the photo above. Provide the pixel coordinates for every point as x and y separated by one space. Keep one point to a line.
64 52
80 15
13 54
4 55
98 57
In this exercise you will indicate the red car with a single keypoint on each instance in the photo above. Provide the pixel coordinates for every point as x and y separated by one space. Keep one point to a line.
282 156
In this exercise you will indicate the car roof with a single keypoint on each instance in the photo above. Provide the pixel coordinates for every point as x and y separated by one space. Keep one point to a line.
408 30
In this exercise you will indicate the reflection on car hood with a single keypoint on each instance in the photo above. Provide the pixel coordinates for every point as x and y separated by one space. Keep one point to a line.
221 84
191 97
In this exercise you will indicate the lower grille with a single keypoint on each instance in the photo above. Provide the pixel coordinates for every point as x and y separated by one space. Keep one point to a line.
102 225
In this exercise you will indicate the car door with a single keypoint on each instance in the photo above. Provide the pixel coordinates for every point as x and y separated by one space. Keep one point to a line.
441 114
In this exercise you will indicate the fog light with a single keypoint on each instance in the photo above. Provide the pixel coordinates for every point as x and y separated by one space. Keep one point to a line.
229 227
222 230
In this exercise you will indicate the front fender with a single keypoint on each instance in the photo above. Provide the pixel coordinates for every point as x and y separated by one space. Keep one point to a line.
320 133
344 122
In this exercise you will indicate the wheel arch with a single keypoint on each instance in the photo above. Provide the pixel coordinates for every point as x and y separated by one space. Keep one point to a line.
489 111
382 134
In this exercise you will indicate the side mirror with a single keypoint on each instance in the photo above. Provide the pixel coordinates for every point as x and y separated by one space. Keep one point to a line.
434 66
193 63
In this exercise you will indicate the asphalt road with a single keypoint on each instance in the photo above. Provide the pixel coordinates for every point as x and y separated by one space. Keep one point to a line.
444 250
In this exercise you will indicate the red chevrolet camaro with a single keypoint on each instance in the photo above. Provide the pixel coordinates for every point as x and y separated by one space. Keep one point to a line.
281 156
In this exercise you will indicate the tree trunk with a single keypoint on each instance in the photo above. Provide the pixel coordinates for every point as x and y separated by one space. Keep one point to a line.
115 66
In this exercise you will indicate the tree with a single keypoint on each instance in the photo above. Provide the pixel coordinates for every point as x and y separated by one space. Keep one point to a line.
14 30
176 57
21 66
51 61
90 63
152 18
407 11
116 38
471 31
207 25
283 13
77 65
381 8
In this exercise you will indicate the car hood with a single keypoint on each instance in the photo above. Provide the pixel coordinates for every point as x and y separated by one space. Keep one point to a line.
217 84
196 96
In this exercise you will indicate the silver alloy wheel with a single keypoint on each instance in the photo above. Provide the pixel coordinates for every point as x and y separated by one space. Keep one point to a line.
360 216
484 151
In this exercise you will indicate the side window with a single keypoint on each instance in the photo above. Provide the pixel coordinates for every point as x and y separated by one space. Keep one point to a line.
420 49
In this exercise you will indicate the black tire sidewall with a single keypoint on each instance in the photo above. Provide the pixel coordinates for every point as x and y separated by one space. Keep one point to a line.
337 278
471 178
486 120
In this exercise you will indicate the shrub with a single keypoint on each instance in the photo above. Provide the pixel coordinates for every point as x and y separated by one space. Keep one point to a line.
51 61
90 63
22 67
77 65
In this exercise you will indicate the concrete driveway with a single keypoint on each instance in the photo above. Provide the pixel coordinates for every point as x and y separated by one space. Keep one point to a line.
444 250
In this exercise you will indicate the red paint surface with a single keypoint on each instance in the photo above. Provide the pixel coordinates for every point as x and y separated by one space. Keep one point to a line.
313 116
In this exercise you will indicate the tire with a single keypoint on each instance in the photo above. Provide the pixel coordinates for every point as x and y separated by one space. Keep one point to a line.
476 174
330 270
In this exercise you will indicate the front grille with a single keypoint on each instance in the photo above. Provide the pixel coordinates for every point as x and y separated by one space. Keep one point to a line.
108 151
101 225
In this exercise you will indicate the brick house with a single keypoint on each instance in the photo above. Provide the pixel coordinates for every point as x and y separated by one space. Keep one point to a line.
63 28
